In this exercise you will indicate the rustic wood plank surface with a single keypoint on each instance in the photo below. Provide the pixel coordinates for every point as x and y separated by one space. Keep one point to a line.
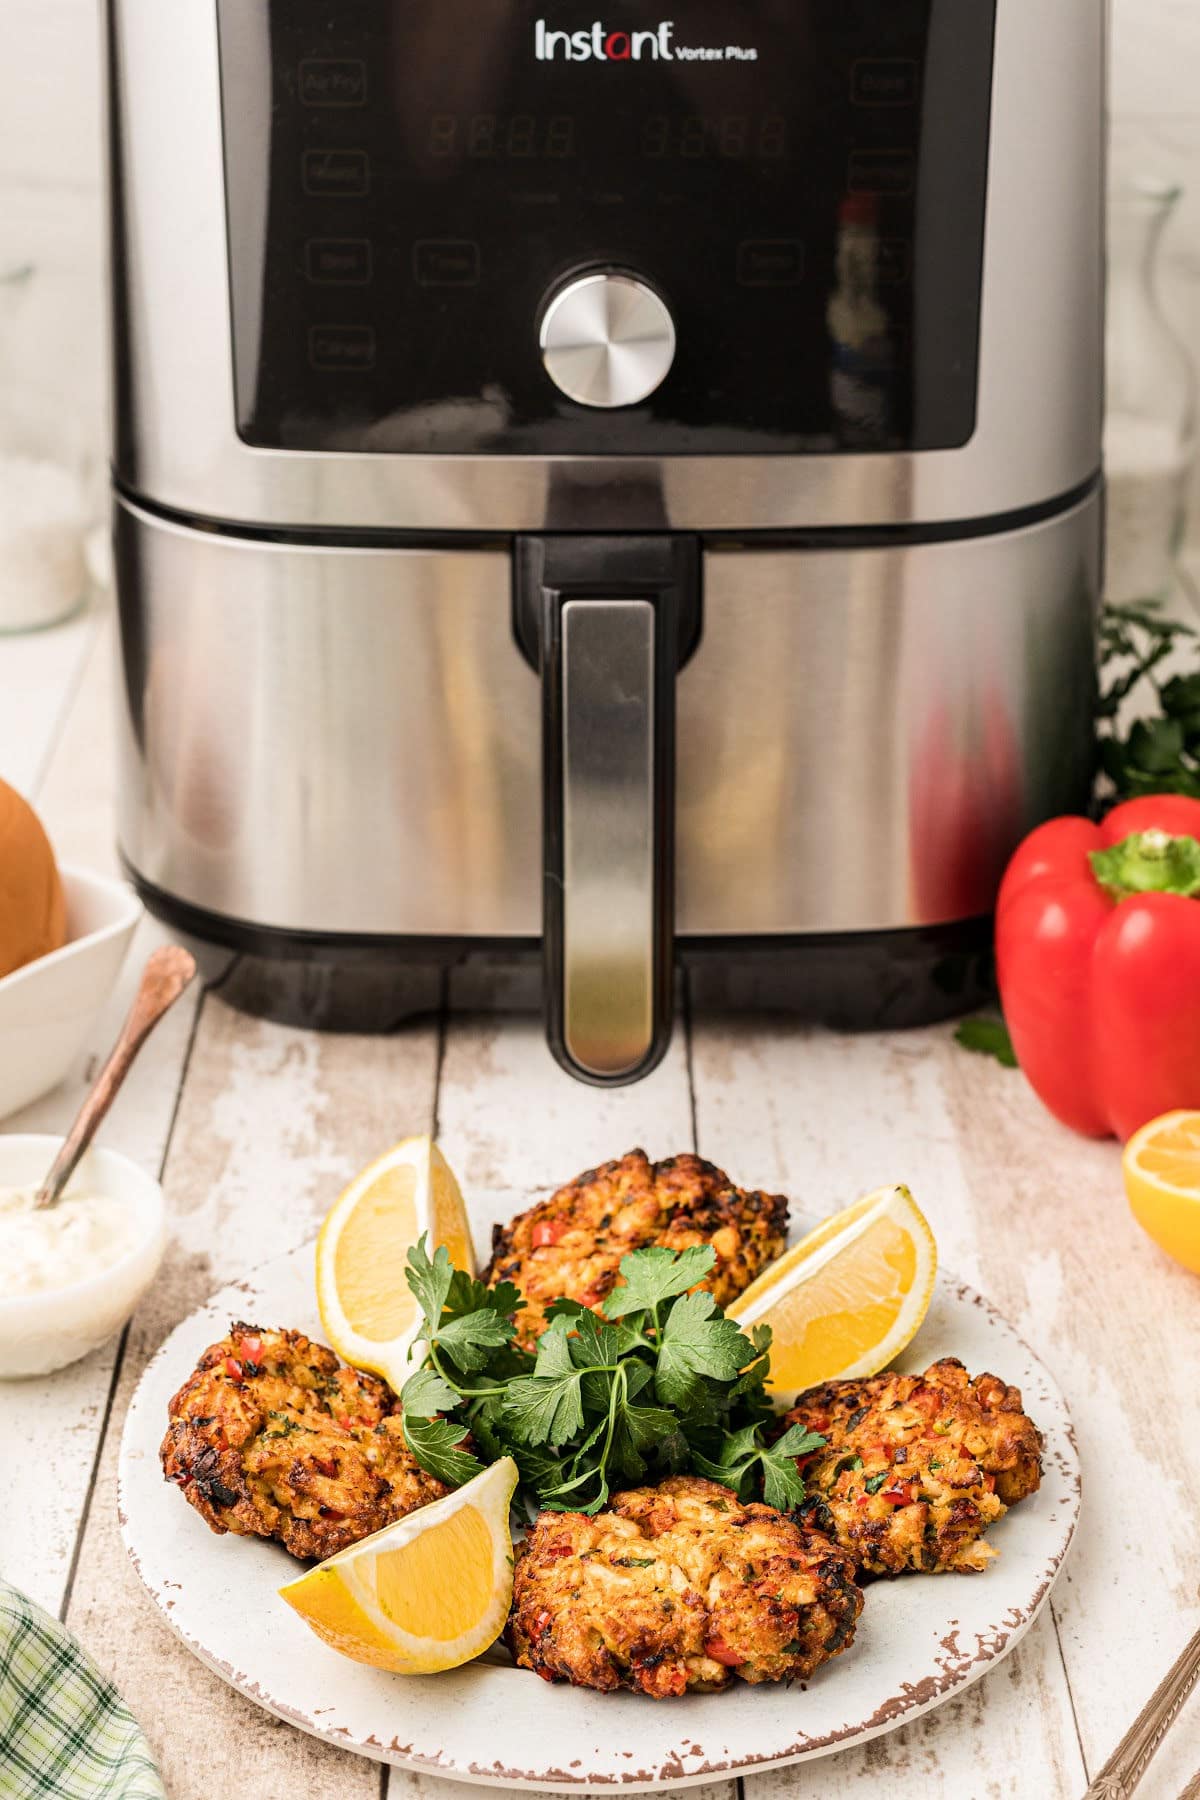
826 1118
256 1124
60 685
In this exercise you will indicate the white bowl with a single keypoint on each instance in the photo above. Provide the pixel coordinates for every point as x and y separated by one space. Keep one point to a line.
46 1331
48 1007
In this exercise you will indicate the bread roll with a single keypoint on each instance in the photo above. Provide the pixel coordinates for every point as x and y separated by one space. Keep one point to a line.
33 908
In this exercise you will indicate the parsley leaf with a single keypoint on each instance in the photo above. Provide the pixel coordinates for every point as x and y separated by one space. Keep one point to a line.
694 1344
426 1393
429 1280
743 1460
783 1484
471 1337
656 1274
547 1406
544 1409
638 1432
466 1295
989 1037
593 1343
434 1444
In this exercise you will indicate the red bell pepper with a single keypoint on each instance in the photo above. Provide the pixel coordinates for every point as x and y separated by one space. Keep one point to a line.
548 1231
1098 963
720 1651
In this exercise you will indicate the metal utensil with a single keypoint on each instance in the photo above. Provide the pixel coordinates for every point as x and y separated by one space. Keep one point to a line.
167 972
1129 1761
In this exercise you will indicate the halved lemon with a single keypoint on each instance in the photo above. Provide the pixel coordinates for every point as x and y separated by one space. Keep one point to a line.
1161 1166
427 1593
367 1309
847 1298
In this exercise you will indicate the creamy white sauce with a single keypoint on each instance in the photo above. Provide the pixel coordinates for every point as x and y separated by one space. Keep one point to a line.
42 1248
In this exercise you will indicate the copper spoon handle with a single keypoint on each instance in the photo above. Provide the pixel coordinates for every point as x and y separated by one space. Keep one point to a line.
1128 1762
168 971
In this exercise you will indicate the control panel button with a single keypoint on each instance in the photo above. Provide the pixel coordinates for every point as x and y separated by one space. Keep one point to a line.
446 262
884 81
338 262
344 173
882 172
341 347
330 81
770 262
607 339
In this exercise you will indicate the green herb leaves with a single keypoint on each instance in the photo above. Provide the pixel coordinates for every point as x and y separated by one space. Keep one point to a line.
654 1275
744 1462
437 1446
662 1382
697 1344
989 1037
547 1406
1159 753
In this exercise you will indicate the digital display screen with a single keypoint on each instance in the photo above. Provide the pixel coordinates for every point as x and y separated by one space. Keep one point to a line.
803 181
528 137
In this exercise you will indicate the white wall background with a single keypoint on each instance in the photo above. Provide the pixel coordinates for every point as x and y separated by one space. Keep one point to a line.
1155 103
50 187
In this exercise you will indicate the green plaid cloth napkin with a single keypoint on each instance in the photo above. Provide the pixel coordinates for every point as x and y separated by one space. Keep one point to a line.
64 1730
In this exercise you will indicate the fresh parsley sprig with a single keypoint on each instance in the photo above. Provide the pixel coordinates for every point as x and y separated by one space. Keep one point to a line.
1159 751
744 1461
659 1382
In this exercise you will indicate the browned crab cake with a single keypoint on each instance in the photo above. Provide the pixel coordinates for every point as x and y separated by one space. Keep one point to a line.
570 1246
917 1466
272 1436
679 1588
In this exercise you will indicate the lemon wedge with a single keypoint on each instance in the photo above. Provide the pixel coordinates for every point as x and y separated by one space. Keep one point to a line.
367 1309
1161 1166
425 1594
847 1298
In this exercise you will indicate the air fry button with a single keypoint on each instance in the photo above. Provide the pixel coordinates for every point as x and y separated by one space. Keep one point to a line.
326 81
341 347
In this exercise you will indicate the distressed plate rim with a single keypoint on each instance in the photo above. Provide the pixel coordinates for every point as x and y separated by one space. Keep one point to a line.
174 1537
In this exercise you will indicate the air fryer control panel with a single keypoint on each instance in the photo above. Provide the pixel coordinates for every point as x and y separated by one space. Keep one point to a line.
557 227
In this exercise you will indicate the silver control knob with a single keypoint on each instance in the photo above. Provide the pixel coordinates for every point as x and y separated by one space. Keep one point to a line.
607 339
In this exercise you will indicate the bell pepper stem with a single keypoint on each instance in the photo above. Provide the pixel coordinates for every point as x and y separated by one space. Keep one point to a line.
1148 862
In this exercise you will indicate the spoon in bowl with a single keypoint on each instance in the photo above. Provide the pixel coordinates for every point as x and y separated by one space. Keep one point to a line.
167 972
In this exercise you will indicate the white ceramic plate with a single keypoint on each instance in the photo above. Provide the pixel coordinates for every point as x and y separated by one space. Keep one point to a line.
920 1639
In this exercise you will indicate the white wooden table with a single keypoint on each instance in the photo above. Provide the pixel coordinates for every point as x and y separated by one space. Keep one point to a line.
255 1126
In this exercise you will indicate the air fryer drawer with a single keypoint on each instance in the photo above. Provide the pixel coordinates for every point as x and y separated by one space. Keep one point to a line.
335 740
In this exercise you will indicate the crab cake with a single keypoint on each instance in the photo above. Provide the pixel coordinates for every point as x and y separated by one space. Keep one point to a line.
570 1246
679 1588
273 1437
917 1466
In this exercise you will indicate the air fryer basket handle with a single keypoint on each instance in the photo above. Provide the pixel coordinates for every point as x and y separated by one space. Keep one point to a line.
605 621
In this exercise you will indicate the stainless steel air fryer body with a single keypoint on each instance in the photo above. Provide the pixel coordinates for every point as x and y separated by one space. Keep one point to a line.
612 480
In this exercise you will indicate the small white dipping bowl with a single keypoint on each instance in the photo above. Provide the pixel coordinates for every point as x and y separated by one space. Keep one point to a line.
48 1007
46 1331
